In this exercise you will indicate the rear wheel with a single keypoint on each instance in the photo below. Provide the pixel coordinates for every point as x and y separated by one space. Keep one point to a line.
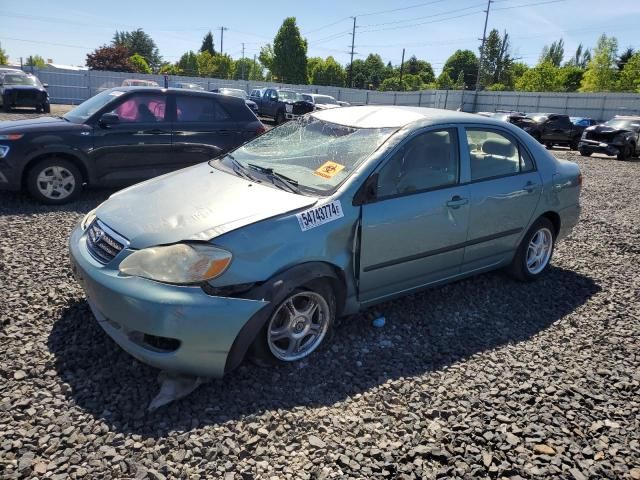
280 118
584 153
297 326
46 107
574 143
548 145
7 107
535 251
54 181
625 152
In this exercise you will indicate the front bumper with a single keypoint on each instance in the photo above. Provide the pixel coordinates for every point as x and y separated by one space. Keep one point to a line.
136 312
24 98
291 116
594 146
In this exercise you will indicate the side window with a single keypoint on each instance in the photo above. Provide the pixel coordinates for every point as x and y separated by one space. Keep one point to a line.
195 108
493 154
142 108
426 162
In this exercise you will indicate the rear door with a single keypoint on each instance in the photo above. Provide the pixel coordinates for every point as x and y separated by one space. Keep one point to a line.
138 147
202 129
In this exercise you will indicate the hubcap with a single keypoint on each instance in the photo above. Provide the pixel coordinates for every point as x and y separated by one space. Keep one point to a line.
56 182
298 326
539 250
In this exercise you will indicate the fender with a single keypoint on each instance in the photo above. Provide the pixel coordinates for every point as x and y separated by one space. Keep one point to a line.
78 155
274 291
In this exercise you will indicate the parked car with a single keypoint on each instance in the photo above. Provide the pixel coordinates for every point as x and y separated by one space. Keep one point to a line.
119 137
282 105
320 102
261 250
186 85
554 129
237 92
583 121
618 137
19 89
342 103
136 82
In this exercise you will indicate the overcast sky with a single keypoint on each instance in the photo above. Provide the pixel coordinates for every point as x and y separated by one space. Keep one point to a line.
66 30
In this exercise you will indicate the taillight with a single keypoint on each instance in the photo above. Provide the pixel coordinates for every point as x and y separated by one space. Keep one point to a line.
261 129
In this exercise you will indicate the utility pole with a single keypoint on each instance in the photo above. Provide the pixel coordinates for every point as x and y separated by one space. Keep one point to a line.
484 39
222 29
242 60
401 68
253 66
353 40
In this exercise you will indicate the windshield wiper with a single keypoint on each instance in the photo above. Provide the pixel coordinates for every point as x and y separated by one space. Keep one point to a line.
239 168
62 117
289 183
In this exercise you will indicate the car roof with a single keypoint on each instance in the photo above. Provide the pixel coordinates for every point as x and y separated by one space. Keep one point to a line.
390 116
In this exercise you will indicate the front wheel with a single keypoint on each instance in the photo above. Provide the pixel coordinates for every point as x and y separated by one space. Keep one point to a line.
46 107
625 152
297 326
54 181
584 153
280 118
574 144
535 251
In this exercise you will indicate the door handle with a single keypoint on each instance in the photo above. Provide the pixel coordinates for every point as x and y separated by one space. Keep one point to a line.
457 202
530 186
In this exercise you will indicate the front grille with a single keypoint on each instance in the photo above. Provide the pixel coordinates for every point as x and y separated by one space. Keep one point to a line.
103 243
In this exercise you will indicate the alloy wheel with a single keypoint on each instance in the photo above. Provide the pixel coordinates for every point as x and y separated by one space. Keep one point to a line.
539 250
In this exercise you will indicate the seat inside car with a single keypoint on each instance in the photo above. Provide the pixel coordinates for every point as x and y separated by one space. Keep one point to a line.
498 156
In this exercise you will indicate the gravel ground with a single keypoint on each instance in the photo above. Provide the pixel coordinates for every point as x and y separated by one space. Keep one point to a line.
484 378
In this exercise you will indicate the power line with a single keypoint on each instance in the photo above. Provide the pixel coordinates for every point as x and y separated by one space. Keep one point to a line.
422 23
426 16
326 26
424 4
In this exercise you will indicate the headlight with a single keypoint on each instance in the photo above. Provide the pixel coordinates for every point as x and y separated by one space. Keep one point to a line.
88 218
181 263
4 150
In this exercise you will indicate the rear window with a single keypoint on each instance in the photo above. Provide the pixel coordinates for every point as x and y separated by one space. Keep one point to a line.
192 108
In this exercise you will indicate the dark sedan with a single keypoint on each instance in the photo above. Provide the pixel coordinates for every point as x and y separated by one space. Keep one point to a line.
19 89
237 92
120 137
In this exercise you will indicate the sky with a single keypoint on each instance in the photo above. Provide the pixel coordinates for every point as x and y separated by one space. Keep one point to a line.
66 30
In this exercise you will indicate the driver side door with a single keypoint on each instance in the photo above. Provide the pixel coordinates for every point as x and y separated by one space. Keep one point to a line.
413 231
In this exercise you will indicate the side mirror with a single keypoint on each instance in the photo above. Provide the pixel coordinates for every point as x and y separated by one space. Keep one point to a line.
45 85
368 192
108 119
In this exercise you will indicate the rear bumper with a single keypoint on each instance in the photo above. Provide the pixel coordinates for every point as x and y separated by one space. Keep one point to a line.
175 328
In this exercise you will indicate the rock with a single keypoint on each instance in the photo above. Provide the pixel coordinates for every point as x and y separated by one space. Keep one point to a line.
487 459
316 442
634 473
20 375
40 468
542 449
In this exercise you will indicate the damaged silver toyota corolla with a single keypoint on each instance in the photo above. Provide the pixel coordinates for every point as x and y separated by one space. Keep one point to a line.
260 250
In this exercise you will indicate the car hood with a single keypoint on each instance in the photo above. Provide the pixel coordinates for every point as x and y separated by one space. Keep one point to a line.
604 132
41 123
325 106
196 203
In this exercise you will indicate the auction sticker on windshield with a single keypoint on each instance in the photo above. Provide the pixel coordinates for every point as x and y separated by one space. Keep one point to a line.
329 169
316 216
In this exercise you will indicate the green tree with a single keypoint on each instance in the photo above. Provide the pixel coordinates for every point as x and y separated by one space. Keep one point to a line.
266 56
544 77
139 63
497 87
205 64
581 58
570 78
137 41
630 75
188 63
35 61
601 73
359 74
289 64
445 82
392 84
4 58
170 69
497 60
111 58
517 70
312 62
328 72
625 57
421 68
256 71
224 66
553 54
242 68
207 44
464 61
375 70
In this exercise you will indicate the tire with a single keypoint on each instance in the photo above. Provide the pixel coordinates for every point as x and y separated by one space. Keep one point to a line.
625 153
54 181
524 267
280 118
274 342
574 143
584 153
549 146
46 108
7 108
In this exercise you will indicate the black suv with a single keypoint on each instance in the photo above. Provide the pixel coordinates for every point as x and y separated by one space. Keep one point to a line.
19 89
554 129
119 137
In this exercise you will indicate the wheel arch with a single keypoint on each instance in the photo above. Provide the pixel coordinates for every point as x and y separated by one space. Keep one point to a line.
75 159
274 291
554 218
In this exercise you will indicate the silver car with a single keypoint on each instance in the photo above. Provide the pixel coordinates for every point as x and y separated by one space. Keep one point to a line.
259 251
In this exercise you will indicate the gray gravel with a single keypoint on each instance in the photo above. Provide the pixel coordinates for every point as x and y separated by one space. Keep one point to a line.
484 378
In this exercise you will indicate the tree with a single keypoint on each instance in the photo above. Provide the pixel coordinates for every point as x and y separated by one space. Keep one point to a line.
266 56
624 58
358 74
188 63
4 58
570 78
289 64
465 62
630 75
312 62
137 41
421 68
112 58
544 77
242 68
515 72
207 44
35 61
497 59
327 72
445 82
170 69
139 63
223 66
601 73
375 70
581 58
553 54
